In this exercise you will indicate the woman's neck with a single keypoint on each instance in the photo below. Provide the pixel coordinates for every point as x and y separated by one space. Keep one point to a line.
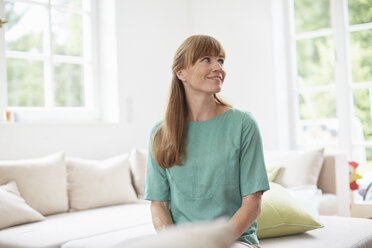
203 108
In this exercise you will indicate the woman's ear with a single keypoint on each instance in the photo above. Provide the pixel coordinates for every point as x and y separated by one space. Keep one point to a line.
181 75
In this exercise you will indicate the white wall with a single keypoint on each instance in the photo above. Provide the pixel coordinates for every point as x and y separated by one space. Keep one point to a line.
148 33
252 35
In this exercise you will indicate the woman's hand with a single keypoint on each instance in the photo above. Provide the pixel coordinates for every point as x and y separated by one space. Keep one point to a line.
246 214
161 217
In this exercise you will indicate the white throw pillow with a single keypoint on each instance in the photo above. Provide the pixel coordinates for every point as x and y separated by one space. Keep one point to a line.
216 234
93 183
138 160
297 167
309 196
41 182
13 209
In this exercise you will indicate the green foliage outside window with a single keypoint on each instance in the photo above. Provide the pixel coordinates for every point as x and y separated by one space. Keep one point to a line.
362 111
70 3
361 63
25 83
361 55
315 61
69 85
360 11
24 35
67 33
318 106
312 15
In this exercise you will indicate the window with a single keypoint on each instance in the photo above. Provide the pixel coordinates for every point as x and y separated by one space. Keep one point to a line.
332 75
46 70
360 38
315 80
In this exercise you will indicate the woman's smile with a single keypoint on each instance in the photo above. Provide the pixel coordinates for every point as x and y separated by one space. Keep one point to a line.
217 78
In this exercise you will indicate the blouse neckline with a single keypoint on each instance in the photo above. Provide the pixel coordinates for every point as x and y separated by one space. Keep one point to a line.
211 119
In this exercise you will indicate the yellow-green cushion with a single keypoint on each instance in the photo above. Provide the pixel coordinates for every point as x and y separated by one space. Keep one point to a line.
282 214
272 172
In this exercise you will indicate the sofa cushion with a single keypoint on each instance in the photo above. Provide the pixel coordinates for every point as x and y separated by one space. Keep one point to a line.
112 239
58 229
13 209
297 167
138 159
215 234
93 183
41 182
282 214
328 204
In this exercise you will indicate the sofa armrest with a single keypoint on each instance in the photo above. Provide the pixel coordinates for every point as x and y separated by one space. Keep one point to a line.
334 179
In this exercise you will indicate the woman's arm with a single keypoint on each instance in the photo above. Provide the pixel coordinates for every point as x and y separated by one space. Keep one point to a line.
246 214
161 217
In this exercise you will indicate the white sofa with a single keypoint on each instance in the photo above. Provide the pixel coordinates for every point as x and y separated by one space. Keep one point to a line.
339 230
110 226
332 178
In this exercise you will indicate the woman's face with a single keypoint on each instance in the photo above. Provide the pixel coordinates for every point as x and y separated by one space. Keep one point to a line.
206 75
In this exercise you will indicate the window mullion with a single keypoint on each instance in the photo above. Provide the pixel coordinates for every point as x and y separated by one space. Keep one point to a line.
48 63
3 82
360 27
361 85
314 34
96 103
87 80
294 91
344 101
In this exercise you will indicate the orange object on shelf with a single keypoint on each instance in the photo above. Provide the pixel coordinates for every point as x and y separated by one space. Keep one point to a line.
7 115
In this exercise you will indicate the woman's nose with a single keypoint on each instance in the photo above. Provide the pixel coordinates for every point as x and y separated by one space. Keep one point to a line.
217 66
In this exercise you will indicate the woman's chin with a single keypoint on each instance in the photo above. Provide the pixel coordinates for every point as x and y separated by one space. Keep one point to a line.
218 89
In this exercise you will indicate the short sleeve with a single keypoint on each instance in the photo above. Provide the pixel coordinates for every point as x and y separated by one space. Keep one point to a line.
253 176
156 181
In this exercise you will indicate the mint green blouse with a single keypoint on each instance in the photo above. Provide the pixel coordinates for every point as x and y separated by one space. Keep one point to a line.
224 161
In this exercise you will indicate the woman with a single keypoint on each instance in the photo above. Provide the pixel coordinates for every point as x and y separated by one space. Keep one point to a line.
205 159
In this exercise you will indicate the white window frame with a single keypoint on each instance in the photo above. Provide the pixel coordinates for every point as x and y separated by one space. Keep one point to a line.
50 113
340 31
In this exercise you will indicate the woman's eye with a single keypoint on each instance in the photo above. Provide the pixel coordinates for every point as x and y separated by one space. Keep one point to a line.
221 61
206 59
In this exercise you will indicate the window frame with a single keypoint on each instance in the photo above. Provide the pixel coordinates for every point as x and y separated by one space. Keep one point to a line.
49 112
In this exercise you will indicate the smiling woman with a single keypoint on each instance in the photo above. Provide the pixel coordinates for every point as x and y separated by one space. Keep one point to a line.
206 75
205 159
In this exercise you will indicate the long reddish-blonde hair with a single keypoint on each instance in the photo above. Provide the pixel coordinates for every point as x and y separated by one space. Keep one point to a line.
168 142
